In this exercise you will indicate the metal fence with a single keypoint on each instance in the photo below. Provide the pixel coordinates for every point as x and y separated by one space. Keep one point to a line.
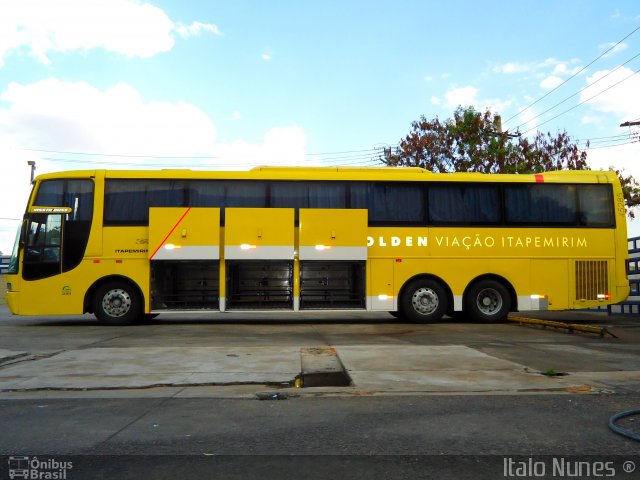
4 263
632 304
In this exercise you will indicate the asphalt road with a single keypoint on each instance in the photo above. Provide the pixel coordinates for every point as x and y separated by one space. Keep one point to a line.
405 437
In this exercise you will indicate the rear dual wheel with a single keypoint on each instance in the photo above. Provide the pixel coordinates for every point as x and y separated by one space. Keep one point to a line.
424 300
488 301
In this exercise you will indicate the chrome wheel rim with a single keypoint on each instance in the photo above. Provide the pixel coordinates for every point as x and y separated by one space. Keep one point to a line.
116 302
489 301
425 301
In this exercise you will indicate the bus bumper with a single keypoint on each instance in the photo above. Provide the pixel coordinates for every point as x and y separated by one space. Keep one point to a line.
13 303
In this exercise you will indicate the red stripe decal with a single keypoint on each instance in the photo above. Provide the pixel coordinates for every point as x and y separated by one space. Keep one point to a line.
539 178
169 234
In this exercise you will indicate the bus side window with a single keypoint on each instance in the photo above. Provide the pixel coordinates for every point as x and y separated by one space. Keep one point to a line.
596 206
459 204
127 201
397 203
540 204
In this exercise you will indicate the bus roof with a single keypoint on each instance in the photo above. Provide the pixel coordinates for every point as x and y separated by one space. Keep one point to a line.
344 173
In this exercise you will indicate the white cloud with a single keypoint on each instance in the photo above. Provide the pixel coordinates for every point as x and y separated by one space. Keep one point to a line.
15 187
593 120
526 116
616 94
560 69
468 96
625 158
266 56
617 48
464 96
512 67
548 62
77 117
496 105
126 27
197 28
622 102
282 146
550 82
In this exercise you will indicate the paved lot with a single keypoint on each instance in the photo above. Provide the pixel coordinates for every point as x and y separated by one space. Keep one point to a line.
450 400
239 355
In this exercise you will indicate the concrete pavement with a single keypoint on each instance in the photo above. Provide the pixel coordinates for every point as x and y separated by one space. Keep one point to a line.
380 357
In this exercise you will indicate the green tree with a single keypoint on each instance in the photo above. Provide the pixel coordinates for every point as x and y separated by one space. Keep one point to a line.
473 141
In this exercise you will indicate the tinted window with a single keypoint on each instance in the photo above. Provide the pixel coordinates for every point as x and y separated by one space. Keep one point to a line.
127 202
42 246
464 204
76 194
308 195
396 203
358 195
596 206
205 193
51 194
247 194
540 204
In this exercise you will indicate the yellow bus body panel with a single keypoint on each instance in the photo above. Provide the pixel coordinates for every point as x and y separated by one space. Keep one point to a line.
259 233
184 233
551 263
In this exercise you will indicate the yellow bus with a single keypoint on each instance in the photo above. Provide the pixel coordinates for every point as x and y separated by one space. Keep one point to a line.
126 245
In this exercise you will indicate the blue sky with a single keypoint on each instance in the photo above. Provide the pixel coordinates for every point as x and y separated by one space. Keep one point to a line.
239 84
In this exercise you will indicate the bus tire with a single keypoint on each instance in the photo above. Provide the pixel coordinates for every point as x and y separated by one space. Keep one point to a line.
116 303
488 301
424 300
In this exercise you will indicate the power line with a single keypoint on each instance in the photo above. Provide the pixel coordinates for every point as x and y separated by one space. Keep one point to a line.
612 145
604 140
354 159
572 76
579 91
583 102
181 157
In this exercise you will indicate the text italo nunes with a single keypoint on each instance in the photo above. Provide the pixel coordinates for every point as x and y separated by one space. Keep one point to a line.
557 467
49 469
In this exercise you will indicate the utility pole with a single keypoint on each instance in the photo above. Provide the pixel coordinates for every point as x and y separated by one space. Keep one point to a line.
503 136
32 164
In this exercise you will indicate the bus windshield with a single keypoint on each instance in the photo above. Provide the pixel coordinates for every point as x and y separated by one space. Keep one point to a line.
15 252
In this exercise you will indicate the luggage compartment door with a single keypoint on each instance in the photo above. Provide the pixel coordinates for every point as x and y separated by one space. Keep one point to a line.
259 258
333 256
184 249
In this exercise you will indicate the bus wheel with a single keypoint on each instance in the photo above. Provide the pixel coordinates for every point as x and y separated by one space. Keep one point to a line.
423 301
116 303
488 301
